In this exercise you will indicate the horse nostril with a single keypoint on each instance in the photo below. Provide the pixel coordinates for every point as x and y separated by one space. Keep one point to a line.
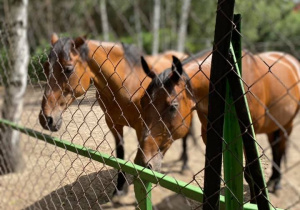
149 166
49 120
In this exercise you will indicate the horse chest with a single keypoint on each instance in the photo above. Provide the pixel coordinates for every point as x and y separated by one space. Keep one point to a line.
120 111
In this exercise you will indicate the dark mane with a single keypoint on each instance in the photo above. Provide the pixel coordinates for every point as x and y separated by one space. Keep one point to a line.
60 49
196 56
132 54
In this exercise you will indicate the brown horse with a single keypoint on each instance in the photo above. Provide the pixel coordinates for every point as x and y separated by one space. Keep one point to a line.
273 92
118 77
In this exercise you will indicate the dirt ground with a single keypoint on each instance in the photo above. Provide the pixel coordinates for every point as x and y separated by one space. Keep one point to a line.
53 178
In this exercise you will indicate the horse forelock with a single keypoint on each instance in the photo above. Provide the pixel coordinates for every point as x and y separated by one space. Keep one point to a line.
62 49
164 81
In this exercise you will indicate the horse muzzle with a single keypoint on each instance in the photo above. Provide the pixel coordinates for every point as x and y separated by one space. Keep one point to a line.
49 122
150 161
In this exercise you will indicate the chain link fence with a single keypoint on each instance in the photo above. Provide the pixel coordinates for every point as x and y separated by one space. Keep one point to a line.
84 92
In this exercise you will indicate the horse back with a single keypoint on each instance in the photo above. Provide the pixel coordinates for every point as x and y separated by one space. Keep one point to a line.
282 72
275 89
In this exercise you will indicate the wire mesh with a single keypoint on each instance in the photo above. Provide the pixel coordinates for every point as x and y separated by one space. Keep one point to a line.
54 178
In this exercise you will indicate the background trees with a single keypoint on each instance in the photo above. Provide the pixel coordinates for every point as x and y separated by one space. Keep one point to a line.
266 24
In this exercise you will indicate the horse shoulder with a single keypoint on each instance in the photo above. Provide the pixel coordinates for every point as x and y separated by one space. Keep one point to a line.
199 74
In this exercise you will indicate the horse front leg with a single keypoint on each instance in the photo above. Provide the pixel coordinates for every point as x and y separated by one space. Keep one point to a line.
278 141
250 182
184 155
117 132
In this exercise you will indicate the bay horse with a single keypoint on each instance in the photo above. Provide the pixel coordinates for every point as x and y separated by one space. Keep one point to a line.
271 81
117 75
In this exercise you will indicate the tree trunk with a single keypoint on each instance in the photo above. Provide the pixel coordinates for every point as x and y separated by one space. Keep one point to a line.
163 25
124 20
138 26
183 25
104 20
172 22
18 55
156 19
49 17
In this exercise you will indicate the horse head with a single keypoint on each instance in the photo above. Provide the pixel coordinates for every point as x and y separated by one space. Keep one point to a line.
166 111
68 77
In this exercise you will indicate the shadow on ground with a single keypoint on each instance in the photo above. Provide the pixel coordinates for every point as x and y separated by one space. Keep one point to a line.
88 192
94 191
177 202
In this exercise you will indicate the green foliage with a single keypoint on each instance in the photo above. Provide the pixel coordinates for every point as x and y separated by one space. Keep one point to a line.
288 27
148 39
260 17
266 25
35 67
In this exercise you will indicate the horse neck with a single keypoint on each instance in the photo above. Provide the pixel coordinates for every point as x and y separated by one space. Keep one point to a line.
110 69
199 81
199 72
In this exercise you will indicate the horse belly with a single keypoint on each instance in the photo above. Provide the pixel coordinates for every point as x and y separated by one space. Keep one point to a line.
117 111
282 90
279 115
283 102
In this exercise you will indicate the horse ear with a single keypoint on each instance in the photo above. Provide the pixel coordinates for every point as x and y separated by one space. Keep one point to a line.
79 41
146 68
54 38
176 70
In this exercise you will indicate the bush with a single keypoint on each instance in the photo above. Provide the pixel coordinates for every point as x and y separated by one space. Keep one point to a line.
35 67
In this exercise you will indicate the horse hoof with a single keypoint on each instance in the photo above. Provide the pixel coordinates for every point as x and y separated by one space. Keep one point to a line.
185 168
120 193
273 186
118 196
182 158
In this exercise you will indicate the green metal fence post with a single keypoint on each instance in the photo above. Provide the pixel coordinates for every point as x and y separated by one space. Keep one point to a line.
233 156
233 145
142 190
249 140
186 189
216 104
